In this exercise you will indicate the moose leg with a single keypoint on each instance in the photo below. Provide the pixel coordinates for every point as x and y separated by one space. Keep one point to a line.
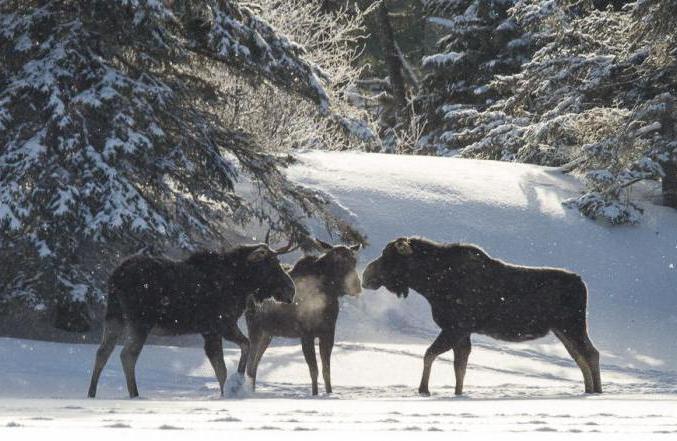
251 368
575 350
592 355
580 339
442 344
233 333
111 333
461 352
258 346
130 354
326 345
308 345
214 350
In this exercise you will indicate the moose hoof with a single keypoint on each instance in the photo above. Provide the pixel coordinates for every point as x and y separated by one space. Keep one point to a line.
424 392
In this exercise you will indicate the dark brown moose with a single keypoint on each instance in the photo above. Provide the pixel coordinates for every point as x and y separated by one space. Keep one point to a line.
204 294
320 281
471 292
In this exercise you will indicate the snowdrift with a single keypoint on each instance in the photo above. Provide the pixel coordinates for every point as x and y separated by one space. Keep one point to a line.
514 212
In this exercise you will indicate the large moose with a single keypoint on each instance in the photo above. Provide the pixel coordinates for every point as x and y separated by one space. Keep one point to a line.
470 292
204 294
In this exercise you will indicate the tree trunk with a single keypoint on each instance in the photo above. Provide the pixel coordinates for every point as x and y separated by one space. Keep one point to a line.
669 181
393 62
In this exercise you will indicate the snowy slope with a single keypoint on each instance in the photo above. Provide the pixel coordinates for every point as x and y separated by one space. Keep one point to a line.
514 212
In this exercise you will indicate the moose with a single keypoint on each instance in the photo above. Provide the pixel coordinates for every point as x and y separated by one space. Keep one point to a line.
204 294
320 282
471 292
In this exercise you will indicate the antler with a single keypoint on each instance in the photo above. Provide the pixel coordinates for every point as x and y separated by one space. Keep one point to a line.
286 249
324 246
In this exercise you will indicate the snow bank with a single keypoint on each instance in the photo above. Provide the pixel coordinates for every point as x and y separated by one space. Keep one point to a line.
515 212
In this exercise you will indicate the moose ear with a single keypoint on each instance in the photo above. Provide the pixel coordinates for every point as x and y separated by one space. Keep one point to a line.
258 254
403 246
355 248
323 245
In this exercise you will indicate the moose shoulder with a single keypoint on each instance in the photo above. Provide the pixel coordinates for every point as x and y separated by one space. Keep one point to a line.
471 292
204 294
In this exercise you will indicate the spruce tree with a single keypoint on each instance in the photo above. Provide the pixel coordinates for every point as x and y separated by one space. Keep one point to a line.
479 41
597 97
113 140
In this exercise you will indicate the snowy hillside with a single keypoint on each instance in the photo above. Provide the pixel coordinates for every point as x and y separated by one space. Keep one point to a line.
514 212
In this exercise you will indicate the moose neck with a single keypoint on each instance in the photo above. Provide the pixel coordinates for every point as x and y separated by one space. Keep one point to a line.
432 276
427 289
315 286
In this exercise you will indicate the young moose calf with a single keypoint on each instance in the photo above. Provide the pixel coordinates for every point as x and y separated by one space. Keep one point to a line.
320 281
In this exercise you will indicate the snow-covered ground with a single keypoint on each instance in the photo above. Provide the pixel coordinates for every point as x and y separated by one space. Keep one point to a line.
514 212
43 385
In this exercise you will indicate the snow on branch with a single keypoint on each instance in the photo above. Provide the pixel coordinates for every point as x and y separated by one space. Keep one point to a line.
114 137
244 40
568 85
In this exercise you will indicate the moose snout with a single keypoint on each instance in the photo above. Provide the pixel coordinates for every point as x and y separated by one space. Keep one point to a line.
370 277
353 285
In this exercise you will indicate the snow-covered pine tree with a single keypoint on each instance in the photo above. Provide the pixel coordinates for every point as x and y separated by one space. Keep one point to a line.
113 140
479 41
598 97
